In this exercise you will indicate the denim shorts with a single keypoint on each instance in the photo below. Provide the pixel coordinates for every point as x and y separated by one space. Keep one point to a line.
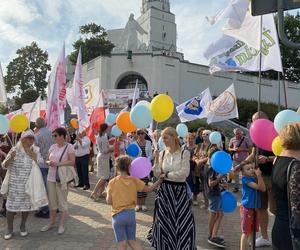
214 203
124 225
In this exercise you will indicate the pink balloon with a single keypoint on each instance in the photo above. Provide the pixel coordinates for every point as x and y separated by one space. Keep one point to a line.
140 167
262 133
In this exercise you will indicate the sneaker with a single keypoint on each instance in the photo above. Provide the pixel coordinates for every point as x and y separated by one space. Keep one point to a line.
23 234
144 208
261 242
137 208
216 242
8 236
61 230
86 187
46 228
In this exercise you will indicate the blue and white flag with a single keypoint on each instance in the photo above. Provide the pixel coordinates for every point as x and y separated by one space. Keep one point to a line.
194 108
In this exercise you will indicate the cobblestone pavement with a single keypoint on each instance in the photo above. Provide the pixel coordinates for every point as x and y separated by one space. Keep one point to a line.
89 227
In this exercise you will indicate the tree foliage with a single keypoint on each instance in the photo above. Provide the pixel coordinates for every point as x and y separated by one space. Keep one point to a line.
93 42
28 70
290 56
29 95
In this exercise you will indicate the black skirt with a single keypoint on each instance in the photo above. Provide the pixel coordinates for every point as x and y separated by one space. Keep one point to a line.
173 225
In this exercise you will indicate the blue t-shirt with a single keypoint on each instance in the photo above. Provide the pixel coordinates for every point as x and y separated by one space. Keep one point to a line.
248 193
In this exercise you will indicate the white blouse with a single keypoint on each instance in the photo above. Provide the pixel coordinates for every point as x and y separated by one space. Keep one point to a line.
178 167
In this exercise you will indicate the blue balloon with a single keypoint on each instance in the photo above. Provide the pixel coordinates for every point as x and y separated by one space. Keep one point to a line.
115 131
161 144
4 124
110 119
133 150
284 117
141 116
228 202
221 162
182 130
215 137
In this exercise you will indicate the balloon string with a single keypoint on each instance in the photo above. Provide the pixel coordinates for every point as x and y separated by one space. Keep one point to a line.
7 136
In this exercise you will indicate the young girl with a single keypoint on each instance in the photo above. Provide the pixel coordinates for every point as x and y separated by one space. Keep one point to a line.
121 194
251 181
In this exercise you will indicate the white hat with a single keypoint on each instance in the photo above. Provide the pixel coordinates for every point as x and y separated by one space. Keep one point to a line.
27 133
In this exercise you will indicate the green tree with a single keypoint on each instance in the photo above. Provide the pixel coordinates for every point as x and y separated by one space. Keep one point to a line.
290 56
3 109
29 95
93 42
28 70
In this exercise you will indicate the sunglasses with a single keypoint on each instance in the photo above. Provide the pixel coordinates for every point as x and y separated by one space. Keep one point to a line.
141 133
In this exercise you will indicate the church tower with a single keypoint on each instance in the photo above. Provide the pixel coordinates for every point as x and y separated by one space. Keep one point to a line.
160 25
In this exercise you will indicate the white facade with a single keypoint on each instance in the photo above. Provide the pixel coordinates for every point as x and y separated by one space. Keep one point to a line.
182 79
163 69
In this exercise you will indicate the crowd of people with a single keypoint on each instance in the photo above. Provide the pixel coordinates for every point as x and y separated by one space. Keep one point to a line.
182 176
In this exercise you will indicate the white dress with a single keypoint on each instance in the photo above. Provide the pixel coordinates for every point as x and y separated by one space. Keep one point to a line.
20 168
103 157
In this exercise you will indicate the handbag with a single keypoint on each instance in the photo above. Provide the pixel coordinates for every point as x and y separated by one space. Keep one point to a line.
56 174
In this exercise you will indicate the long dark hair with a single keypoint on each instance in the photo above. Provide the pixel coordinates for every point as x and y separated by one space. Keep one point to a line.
103 127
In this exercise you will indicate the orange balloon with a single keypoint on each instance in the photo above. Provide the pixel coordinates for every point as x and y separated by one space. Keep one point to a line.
74 123
123 122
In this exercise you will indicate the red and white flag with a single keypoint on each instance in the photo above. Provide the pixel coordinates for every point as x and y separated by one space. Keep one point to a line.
55 114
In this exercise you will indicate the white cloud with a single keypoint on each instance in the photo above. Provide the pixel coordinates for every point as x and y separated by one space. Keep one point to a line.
17 10
51 10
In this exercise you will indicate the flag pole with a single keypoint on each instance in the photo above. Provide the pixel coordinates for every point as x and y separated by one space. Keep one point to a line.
256 149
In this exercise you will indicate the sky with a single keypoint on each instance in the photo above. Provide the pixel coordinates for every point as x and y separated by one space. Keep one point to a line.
50 22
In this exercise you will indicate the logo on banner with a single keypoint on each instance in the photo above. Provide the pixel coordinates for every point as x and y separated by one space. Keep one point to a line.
193 107
223 105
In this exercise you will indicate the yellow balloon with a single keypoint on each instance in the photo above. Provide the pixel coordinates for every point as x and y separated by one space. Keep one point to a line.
276 146
18 123
161 107
298 111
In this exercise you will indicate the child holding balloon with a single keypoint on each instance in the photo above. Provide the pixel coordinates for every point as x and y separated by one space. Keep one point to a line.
214 188
251 181
121 195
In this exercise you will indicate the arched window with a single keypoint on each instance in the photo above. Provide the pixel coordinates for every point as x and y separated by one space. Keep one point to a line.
129 81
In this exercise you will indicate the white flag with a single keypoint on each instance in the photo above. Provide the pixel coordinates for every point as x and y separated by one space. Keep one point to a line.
224 107
57 93
234 12
79 96
194 108
3 96
136 91
236 50
34 110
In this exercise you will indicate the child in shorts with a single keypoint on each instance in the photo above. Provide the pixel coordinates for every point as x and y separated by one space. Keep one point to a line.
214 189
251 182
121 195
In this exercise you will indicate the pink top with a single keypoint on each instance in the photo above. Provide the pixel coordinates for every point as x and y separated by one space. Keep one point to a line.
55 153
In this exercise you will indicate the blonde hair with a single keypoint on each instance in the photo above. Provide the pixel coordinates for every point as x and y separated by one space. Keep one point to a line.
290 136
172 132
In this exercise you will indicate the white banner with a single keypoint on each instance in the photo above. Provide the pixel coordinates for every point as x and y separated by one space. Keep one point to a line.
194 108
34 110
238 49
3 96
224 107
